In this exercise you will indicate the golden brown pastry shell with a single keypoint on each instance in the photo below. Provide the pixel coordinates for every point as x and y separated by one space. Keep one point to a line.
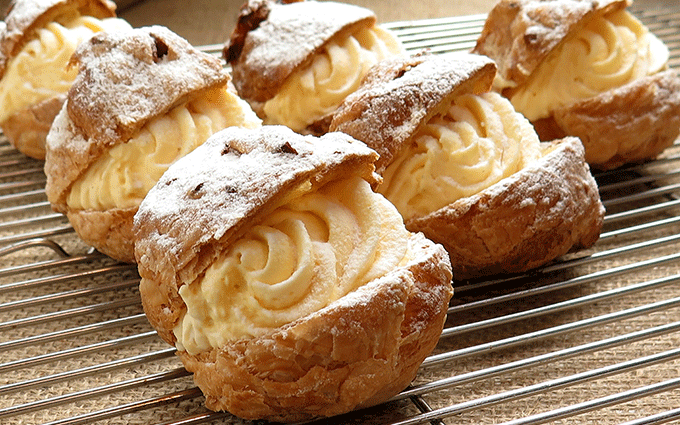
632 123
526 220
399 95
24 17
357 352
519 34
110 231
26 130
215 200
104 109
272 40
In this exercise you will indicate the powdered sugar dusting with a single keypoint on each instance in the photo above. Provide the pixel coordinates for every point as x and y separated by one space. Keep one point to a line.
287 38
498 230
519 34
125 79
399 94
213 192
129 77
26 16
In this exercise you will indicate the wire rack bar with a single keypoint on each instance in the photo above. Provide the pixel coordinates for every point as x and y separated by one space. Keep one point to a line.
529 362
93 392
88 371
143 405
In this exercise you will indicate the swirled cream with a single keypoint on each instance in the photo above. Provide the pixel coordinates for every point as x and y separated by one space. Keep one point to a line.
609 52
474 144
124 174
313 92
39 72
308 253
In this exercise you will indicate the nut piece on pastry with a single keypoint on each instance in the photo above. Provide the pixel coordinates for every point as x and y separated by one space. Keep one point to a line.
463 167
289 287
142 98
295 61
36 43
588 69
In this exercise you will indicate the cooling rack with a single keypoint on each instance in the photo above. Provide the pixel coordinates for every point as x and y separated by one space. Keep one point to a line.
591 338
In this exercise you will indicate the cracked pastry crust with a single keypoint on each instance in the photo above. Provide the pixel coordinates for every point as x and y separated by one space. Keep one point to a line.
522 222
577 67
611 134
27 126
26 130
421 85
294 61
467 170
354 349
105 117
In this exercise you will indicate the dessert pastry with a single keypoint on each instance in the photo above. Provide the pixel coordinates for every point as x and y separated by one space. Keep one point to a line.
463 167
295 61
292 289
141 99
587 69
36 43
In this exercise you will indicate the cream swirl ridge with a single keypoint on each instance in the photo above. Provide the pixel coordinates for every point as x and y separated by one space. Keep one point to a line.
316 90
39 72
124 174
308 253
474 144
609 52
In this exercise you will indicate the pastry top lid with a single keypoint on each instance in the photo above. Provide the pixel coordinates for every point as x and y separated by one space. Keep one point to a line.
271 40
24 17
209 198
519 34
125 79
398 95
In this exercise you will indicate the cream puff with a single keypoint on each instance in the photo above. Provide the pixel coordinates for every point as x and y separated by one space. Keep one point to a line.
141 99
290 288
467 170
36 43
589 69
295 61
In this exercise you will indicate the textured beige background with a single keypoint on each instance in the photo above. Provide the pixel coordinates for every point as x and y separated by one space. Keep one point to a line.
211 21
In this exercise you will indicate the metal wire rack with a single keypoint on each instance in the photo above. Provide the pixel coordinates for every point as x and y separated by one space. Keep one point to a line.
591 338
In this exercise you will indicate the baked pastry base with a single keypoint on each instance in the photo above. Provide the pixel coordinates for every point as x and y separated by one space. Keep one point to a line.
26 130
110 231
357 352
526 220
633 123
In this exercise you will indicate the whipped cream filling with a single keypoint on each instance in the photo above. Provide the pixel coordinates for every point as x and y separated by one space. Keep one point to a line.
309 252
317 90
610 51
474 144
39 72
124 174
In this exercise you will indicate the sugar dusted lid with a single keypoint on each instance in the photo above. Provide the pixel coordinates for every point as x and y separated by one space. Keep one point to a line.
125 79
272 39
24 17
519 34
210 197
398 95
